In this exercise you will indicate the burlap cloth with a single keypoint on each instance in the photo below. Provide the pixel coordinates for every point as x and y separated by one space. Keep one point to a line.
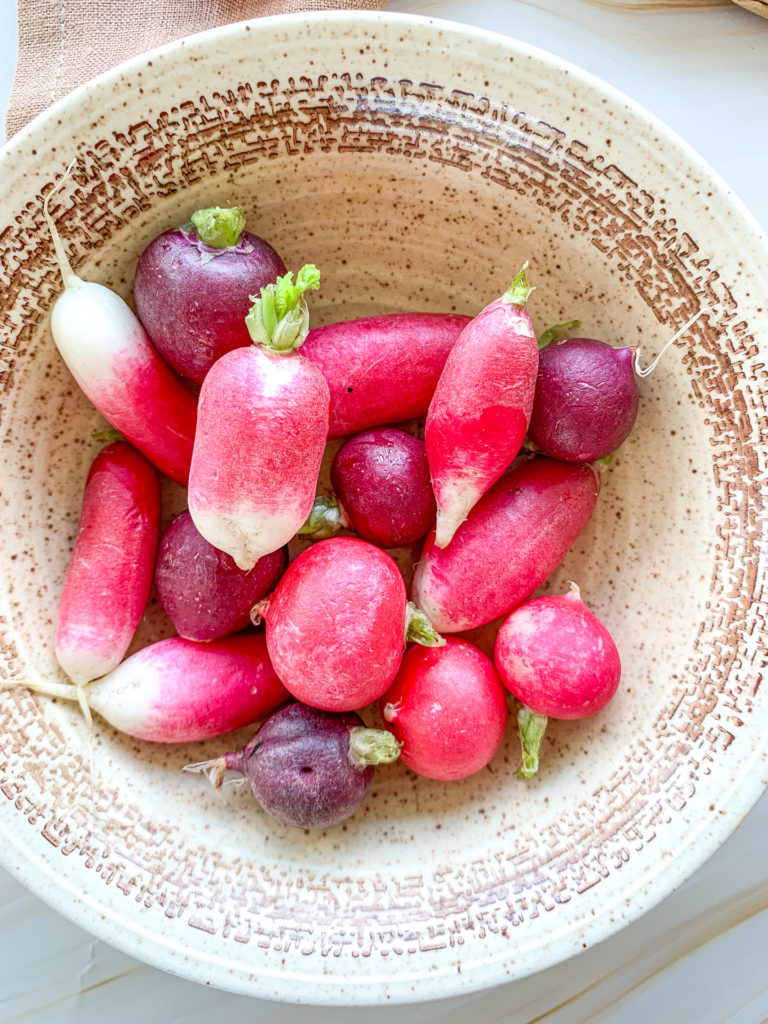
63 43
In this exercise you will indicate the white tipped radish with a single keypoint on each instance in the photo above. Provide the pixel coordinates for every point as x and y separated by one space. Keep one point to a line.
109 576
261 432
113 361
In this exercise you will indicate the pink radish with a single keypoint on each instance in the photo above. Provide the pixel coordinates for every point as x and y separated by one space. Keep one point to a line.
479 413
337 624
262 427
179 691
382 369
448 710
192 287
109 576
511 541
559 661
115 364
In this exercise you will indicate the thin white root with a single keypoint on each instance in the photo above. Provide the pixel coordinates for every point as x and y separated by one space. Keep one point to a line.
68 275
650 368
575 589
213 770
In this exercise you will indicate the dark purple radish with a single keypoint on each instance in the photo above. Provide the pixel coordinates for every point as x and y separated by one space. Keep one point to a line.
203 592
192 288
383 490
308 768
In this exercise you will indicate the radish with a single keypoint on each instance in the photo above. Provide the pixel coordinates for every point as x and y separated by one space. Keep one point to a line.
337 624
115 364
192 286
382 369
383 491
448 710
201 589
109 576
262 426
559 661
511 541
179 691
479 413
307 768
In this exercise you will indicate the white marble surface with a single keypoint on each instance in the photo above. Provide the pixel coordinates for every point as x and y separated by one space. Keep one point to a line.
699 957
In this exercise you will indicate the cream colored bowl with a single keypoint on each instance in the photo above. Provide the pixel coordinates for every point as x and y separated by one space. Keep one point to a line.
418 163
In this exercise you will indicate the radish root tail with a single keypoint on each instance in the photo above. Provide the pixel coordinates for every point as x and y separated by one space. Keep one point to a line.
68 276
213 770
652 366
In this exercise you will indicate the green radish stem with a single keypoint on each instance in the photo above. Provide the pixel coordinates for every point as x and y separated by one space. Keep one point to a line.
372 747
556 331
326 519
279 318
220 227
519 291
419 630
531 728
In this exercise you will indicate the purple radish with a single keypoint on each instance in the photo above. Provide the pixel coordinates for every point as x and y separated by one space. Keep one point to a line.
383 490
203 592
308 768
559 661
193 284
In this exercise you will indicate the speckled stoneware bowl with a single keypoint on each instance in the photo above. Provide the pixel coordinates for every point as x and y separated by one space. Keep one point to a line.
418 163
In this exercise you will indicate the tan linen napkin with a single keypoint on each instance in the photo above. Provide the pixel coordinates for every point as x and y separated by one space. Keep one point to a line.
63 43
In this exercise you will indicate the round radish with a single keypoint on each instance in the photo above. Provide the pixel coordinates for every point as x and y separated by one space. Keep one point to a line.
480 410
448 710
559 661
262 427
203 592
308 768
192 287
109 576
337 622
511 541
381 479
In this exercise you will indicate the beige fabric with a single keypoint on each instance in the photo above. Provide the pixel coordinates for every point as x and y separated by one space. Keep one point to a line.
63 43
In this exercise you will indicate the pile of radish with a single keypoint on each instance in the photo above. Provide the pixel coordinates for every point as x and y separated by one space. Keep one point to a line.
306 645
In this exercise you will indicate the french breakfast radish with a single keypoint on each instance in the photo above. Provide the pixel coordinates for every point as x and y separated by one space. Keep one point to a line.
337 624
448 710
559 660
479 413
192 288
307 768
509 544
382 369
201 589
118 369
262 427
109 577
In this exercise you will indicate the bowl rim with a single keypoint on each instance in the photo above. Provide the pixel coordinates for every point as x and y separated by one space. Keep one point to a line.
745 789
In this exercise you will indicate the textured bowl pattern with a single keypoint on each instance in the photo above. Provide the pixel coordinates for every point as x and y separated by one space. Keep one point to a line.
418 164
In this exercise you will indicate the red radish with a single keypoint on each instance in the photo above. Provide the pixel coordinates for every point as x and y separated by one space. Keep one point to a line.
479 413
383 491
115 364
559 661
109 576
262 426
448 710
179 691
512 540
201 589
307 768
382 369
192 287
337 624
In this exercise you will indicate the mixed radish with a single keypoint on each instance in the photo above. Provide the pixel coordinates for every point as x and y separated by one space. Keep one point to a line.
305 638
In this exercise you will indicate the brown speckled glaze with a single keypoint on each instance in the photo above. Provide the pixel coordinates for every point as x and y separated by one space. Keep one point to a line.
417 163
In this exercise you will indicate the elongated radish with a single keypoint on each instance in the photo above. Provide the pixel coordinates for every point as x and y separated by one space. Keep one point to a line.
118 369
262 427
192 288
511 541
337 624
559 661
448 710
179 691
480 410
382 369
307 768
109 576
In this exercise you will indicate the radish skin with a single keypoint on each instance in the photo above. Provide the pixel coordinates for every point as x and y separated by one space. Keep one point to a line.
109 576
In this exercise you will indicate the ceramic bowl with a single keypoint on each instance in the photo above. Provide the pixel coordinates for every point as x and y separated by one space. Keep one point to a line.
418 163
